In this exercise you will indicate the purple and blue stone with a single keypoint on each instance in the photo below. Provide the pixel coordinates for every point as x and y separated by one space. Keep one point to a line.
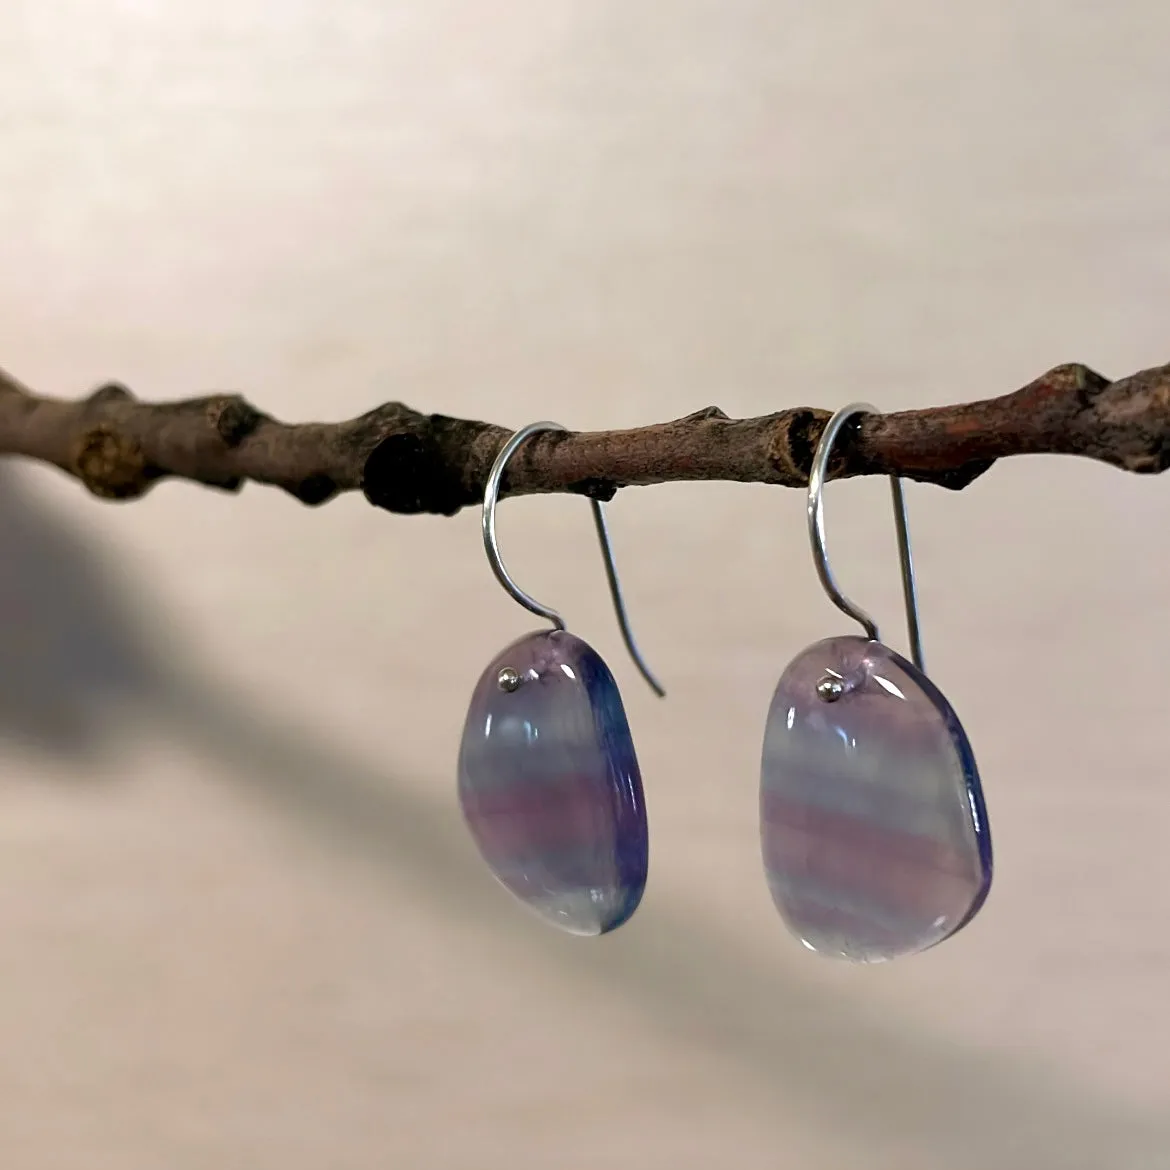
550 786
873 825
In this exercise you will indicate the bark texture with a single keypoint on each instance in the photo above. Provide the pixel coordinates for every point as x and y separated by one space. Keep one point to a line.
409 462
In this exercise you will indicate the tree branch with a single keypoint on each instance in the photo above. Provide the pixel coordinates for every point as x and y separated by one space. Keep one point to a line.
409 462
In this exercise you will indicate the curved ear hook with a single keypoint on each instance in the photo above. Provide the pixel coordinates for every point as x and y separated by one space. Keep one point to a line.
491 494
816 532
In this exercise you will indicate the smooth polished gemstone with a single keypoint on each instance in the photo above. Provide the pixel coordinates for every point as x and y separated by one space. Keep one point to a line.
550 786
873 826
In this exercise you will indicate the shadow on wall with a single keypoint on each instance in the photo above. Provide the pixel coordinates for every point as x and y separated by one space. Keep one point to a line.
74 649
70 644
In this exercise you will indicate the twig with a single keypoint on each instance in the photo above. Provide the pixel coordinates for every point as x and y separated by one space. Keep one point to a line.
405 461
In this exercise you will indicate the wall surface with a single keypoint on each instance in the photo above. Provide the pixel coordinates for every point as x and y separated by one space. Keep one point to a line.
242 925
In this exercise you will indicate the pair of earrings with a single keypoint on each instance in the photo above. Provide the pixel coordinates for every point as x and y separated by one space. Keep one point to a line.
873 827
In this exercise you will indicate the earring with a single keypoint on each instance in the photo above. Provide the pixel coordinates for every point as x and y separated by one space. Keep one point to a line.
872 821
548 779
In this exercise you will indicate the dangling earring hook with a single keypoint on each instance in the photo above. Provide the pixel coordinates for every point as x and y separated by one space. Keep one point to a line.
491 495
816 531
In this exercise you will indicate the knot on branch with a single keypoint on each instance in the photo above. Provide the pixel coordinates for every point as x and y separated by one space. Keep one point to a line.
234 418
601 490
111 465
794 443
415 471
110 392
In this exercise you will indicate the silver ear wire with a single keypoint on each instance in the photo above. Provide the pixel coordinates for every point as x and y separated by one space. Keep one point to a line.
491 495
816 532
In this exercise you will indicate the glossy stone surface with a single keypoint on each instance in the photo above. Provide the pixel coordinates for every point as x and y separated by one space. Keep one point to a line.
550 786
873 827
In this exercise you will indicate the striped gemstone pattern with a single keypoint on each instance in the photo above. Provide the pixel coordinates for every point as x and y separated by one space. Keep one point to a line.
550 786
873 825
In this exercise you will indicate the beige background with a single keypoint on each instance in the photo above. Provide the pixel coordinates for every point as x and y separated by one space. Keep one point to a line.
241 925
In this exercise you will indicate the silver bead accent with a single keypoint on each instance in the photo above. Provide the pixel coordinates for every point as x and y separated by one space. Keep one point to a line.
830 688
508 680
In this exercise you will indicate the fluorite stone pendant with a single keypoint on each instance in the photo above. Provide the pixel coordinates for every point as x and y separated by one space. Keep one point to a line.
873 826
550 786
